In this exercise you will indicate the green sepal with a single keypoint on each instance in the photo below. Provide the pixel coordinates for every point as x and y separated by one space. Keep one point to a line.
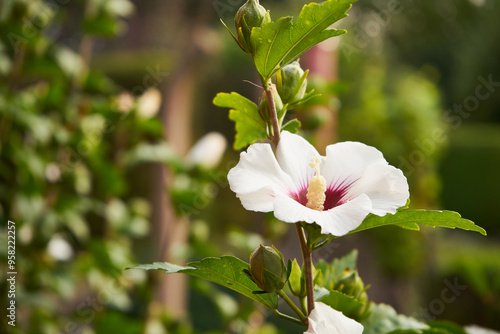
295 280
291 126
278 105
308 96
314 235
232 35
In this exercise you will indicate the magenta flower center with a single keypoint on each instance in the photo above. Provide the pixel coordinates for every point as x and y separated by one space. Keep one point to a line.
335 195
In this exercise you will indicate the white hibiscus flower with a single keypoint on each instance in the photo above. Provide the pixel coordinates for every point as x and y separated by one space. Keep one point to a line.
336 192
325 320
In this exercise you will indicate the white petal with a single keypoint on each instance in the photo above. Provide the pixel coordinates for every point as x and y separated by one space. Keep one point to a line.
347 161
344 218
258 177
294 154
260 200
337 221
386 186
325 320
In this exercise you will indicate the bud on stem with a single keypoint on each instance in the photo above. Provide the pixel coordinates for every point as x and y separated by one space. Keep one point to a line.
250 15
267 268
291 82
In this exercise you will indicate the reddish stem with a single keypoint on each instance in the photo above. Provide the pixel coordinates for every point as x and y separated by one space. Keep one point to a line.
307 257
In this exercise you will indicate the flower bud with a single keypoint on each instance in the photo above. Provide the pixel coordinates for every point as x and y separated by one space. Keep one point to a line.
291 82
250 15
267 268
264 106
350 284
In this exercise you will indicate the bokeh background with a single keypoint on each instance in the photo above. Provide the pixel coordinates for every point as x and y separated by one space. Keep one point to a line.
101 102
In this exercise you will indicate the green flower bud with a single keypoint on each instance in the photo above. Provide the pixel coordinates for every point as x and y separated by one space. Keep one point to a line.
267 268
250 15
264 106
291 82
350 283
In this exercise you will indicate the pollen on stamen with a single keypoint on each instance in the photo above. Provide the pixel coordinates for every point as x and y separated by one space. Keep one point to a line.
317 187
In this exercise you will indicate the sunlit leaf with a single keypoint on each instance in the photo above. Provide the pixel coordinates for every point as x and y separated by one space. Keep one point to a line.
278 43
250 127
411 219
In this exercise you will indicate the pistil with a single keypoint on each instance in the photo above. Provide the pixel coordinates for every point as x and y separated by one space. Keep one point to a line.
317 187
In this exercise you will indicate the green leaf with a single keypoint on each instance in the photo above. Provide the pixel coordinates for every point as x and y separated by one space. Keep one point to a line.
411 219
343 303
226 271
169 268
446 327
346 262
331 272
250 127
292 126
383 319
278 43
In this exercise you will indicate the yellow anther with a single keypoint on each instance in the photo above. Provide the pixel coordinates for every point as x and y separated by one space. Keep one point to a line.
317 188
314 164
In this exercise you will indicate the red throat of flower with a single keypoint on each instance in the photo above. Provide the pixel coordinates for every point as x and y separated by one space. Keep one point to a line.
319 196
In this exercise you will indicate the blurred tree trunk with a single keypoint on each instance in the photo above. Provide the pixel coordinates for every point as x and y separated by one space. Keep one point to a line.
171 230
322 61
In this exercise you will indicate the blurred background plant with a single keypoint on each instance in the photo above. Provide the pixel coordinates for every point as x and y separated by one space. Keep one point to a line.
101 102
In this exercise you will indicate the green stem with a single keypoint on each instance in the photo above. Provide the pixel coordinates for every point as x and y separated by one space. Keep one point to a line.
303 304
272 110
294 307
307 257
287 317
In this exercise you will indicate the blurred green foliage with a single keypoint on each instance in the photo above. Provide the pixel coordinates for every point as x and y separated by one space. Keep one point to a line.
65 130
